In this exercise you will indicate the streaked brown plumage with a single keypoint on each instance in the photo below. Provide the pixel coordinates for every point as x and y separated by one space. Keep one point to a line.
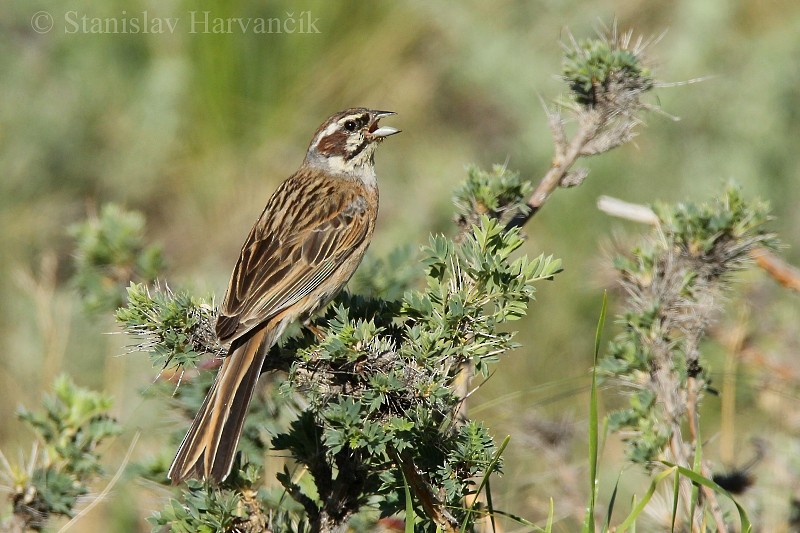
302 250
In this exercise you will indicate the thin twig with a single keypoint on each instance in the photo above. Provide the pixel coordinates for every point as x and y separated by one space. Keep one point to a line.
713 503
559 168
627 210
781 271
430 503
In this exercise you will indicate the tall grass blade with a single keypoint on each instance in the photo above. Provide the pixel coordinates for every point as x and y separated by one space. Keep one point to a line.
588 525
611 503
489 505
630 521
675 495
410 516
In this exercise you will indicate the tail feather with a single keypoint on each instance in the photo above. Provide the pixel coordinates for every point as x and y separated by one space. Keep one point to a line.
208 449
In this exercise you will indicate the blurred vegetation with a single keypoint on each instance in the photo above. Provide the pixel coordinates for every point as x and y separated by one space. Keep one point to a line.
110 252
195 131
74 423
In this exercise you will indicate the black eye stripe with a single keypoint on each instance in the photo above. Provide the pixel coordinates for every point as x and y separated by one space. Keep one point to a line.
354 123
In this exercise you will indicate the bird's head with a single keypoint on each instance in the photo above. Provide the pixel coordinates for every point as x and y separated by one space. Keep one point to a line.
345 144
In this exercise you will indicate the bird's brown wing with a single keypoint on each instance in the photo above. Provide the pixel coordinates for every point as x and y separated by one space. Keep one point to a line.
308 229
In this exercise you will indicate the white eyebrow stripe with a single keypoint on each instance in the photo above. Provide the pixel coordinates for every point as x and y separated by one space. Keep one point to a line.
327 131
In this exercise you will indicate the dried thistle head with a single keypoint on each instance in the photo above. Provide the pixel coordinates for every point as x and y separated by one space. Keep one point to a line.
608 72
606 77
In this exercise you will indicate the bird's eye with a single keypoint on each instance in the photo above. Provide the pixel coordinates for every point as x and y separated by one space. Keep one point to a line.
350 125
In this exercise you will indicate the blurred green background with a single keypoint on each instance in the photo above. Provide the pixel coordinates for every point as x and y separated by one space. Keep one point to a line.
196 129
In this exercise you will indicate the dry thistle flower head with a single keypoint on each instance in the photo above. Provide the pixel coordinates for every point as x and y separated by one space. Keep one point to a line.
609 71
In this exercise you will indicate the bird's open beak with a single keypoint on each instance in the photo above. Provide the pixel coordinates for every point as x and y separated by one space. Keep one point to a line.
378 133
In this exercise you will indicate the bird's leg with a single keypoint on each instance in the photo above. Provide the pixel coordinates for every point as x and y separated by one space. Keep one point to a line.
317 331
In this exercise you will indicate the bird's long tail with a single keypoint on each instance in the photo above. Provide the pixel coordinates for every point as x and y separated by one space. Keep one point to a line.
208 449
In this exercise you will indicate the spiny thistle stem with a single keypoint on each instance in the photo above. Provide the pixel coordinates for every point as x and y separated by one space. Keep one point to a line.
606 78
672 282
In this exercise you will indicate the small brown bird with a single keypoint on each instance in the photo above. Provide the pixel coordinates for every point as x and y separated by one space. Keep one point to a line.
301 251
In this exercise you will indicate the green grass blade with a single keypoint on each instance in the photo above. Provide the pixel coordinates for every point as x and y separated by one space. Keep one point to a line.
637 510
611 503
588 524
528 523
675 495
410 516
489 505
